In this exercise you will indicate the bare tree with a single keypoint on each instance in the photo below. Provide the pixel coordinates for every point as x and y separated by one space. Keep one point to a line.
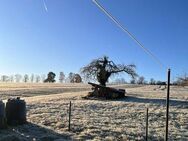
183 80
152 81
74 78
133 81
32 77
71 77
77 78
11 78
141 80
43 77
26 78
120 81
61 77
4 78
18 78
102 68
37 78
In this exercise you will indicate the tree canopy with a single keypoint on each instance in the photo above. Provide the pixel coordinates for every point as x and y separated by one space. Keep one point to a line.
102 69
74 78
50 78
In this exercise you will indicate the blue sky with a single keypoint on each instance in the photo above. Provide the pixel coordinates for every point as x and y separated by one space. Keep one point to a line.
70 33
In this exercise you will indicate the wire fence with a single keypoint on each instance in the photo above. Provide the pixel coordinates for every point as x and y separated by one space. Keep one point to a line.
119 122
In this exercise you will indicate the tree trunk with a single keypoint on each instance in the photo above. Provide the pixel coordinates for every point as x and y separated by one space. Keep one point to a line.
103 83
103 77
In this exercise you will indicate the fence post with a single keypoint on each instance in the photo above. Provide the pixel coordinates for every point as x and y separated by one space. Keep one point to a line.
146 124
69 115
167 105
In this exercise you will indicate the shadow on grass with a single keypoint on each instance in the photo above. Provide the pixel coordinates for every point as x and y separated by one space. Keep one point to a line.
31 132
173 102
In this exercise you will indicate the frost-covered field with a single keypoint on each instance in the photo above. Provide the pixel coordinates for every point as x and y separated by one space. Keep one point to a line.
8 90
98 119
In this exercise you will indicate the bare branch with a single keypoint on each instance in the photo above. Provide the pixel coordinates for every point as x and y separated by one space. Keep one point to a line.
102 68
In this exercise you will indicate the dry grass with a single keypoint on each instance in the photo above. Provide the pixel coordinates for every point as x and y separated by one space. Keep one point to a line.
103 120
8 90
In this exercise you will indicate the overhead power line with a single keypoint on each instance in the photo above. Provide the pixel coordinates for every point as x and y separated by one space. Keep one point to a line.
126 31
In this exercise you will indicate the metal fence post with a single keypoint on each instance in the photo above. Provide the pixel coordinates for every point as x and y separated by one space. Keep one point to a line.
167 105
70 116
146 124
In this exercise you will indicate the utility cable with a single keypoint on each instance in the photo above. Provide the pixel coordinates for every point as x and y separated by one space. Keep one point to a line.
126 31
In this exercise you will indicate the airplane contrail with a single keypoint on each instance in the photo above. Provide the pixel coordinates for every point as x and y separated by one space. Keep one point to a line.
45 6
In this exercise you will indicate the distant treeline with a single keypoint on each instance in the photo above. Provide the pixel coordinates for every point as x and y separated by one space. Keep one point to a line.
139 80
76 78
36 78
180 81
